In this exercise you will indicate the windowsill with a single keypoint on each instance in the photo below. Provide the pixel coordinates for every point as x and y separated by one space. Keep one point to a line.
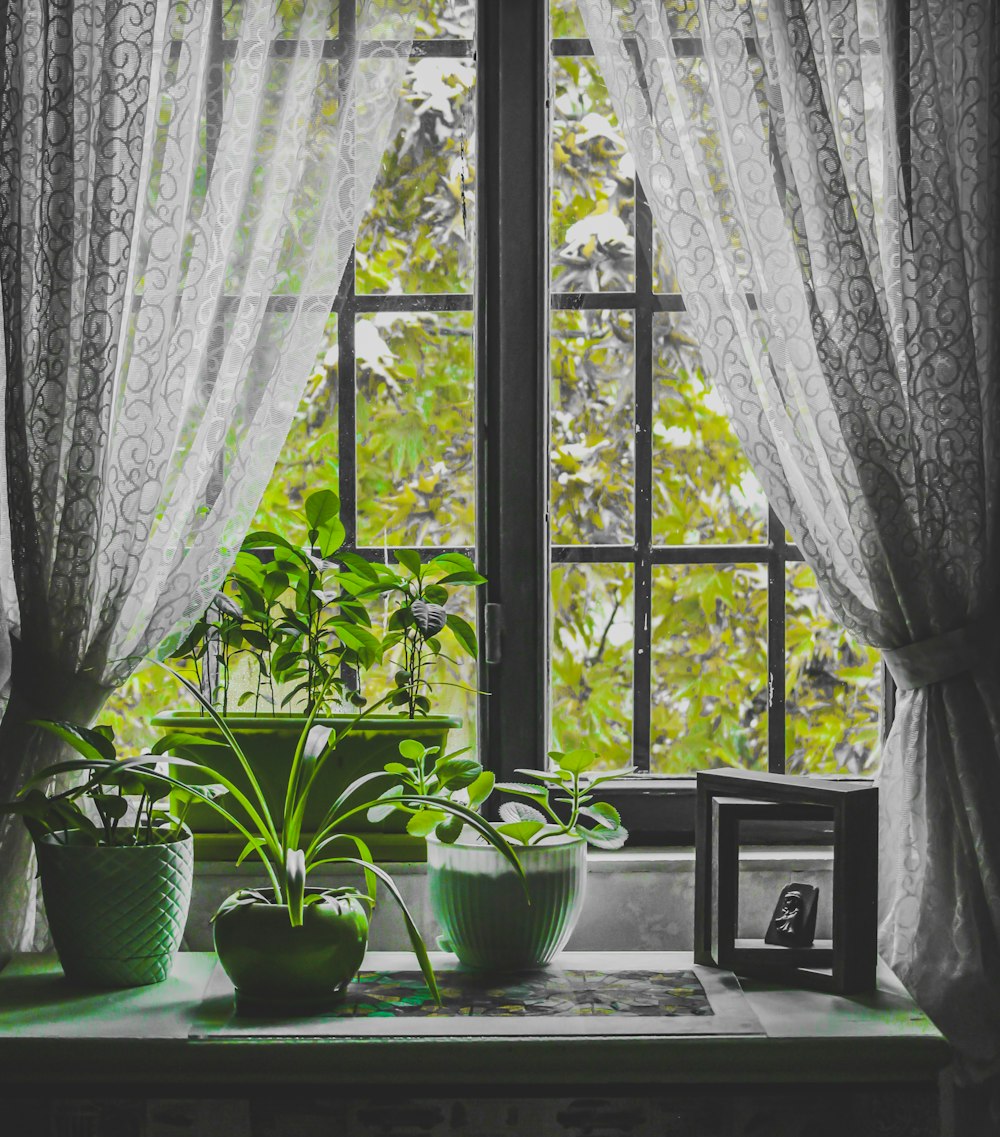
57 1037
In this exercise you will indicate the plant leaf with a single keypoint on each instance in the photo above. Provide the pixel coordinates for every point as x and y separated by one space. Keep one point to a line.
574 761
410 560
429 618
520 811
413 750
464 633
295 884
520 832
425 821
92 744
604 837
604 813
481 788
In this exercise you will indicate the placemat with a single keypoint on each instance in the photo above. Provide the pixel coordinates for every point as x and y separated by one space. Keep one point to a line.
568 999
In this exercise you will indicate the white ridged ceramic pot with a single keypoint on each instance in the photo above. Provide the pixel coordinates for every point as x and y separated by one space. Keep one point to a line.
481 905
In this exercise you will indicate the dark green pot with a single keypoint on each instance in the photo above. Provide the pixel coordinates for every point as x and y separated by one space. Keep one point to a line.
482 908
116 913
269 743
275 966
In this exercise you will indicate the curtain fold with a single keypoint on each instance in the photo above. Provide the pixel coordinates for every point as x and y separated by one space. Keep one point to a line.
825 178
181 183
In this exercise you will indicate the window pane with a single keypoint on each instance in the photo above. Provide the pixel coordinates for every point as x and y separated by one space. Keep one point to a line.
833 687
308 460
664 280
703 487
592 408
129 711
446 19
593 185
709 665
418 234
565 20
290 14
415 428
591 686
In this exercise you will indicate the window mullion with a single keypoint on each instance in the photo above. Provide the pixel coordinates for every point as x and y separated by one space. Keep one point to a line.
512 351
776 644
643 594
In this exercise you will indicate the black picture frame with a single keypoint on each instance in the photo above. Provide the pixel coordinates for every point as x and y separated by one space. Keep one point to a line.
844 965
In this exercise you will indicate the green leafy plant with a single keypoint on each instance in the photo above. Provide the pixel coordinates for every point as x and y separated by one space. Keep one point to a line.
286 853
569 785
428 782
120 804
300 614
417 594
282 612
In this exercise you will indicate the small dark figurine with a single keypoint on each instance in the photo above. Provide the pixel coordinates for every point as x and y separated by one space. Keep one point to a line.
794 921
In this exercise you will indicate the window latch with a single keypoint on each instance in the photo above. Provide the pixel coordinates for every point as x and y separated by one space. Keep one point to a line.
493 627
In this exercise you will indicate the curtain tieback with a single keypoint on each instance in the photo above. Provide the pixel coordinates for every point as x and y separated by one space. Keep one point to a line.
936 659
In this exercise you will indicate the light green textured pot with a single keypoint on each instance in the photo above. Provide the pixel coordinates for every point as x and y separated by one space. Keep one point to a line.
117 913
481 905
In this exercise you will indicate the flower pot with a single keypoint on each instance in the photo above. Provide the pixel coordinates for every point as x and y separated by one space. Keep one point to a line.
116 913
481 905
269 743
275 966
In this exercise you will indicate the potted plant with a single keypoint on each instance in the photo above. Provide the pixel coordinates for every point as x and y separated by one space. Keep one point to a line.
292 634
493 921
288 945
115 866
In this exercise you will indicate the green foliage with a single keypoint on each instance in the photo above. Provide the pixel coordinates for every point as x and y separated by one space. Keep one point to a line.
432 778
569 783
98 809
286 853
298 614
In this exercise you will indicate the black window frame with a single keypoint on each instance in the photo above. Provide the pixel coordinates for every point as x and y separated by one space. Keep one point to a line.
513 52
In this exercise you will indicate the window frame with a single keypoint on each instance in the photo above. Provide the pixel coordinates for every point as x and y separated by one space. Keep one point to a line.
513 54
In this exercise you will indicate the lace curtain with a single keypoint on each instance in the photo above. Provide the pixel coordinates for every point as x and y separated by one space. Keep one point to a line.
180 187
825 176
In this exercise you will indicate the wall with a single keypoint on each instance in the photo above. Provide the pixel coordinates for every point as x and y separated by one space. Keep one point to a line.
637 899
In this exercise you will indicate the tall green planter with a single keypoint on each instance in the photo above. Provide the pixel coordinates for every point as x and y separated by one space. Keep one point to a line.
484 912
116 913
269 743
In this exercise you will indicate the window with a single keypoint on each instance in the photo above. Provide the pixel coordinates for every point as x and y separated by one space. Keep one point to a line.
509 373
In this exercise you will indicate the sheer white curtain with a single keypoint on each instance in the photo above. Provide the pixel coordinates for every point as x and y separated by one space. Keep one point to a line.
825 176
180 186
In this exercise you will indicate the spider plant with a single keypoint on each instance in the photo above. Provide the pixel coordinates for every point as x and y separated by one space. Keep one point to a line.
287 854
